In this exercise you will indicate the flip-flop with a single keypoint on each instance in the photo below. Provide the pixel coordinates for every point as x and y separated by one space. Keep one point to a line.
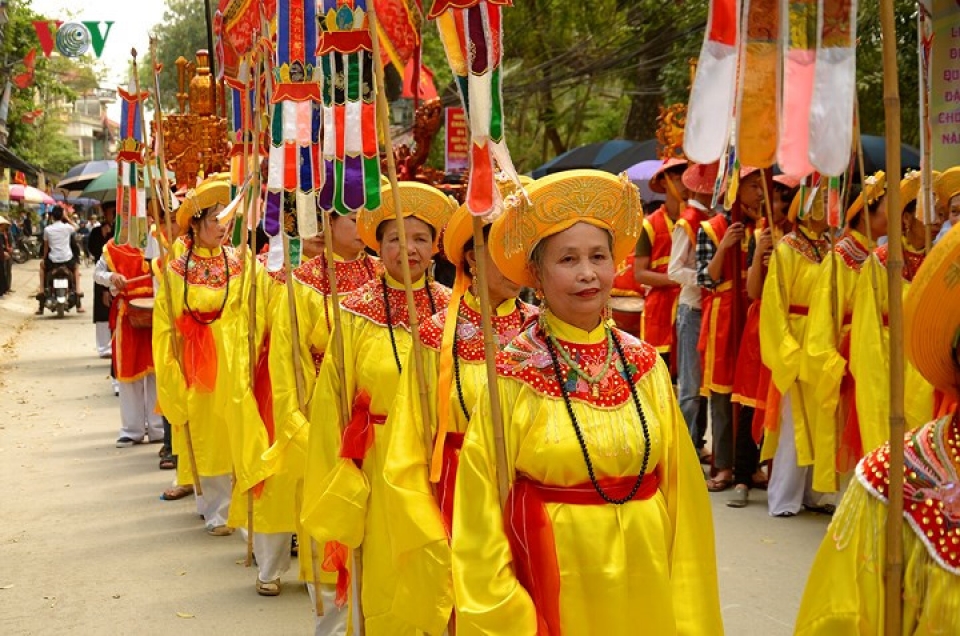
718 485
177 492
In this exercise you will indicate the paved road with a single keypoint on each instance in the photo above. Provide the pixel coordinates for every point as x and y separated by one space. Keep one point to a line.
87 547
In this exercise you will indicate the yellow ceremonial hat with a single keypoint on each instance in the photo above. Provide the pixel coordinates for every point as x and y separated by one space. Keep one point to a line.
418 200
874 188
213 191
932 315
947 185
557 202
459 230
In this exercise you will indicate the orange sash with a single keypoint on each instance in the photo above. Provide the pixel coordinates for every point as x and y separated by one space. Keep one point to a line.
359 434
199 350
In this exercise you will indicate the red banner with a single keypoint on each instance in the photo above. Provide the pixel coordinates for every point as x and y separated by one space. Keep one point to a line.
457 155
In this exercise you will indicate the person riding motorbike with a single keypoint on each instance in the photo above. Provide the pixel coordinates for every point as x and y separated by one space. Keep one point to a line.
59 248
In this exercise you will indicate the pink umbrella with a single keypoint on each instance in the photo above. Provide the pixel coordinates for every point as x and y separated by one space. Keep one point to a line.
29 194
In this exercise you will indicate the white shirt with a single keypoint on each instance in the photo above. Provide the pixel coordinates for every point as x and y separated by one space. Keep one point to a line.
682 268
58 237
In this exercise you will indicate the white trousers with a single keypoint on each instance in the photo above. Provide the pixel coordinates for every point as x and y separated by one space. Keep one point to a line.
138 416
214 504
104 344
790 485
334 620
273 554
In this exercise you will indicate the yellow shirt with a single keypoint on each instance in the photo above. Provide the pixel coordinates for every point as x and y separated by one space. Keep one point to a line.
425 595
787 290
645 559
342 502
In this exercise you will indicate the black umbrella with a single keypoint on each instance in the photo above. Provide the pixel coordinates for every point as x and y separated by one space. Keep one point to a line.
875 156
612 156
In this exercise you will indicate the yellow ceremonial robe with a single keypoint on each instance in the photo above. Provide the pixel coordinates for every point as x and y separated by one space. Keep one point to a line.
343 502
210 287
285 459
645 566
793 272
420 543
845 592
870 357
831 307
275 505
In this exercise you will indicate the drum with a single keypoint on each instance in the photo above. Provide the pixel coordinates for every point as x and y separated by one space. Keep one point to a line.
626 313
140 313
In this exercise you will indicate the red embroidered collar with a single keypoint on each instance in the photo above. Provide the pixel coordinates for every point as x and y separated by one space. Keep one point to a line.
911 260
470 332
931 491
812 249
207 271
367 301
527 359
351 275
852 251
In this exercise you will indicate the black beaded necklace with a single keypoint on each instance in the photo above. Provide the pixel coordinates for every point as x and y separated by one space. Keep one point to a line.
186 288
579 431
386 311
456 360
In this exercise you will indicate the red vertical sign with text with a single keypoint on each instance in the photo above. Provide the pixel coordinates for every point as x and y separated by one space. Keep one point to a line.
457 155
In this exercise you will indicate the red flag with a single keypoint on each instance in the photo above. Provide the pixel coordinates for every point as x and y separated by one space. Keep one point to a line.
428 89
22 80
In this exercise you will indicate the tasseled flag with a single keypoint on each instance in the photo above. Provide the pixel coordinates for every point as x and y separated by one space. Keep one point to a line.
835 217
709 113
834 86
472 37
757 106
295 118
351 158
733 183
131 196
799 57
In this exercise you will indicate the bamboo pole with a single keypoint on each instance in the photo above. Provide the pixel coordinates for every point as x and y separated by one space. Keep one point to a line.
414 319
301 398
926 167
891 102
175 342
490 355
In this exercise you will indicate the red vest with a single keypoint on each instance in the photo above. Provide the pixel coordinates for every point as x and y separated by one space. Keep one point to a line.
660 310
718 351
132 347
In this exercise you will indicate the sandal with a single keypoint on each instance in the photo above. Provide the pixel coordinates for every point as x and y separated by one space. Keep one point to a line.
740 498
270 588
177 492
719 485
221 531
168 462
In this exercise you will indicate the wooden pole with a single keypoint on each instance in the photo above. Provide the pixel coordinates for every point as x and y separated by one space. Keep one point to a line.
414 319
891 103
926 167
490 349
175 342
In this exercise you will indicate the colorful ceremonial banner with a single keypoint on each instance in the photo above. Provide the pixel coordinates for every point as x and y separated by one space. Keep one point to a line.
945 85
457 155
758 105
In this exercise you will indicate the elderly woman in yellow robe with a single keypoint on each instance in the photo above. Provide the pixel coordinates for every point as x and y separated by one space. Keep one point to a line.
343 503
607 515
313 304
788 438
835 426
870 335
846 590
208 329
420 478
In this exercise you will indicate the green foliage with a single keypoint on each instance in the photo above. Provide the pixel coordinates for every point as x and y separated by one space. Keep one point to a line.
183 32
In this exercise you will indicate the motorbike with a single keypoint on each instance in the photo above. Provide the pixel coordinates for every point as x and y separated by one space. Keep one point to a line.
60 294
27 247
